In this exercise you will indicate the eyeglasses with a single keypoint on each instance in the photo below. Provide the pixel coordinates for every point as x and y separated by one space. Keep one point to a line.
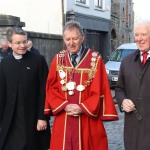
19 42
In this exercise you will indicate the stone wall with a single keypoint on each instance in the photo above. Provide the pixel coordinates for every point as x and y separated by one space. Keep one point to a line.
123 10
7 21
47 44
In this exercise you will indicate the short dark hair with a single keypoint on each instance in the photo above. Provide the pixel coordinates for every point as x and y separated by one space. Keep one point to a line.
14 30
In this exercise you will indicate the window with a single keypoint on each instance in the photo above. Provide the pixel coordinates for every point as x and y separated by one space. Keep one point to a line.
119 54
81 1
99 3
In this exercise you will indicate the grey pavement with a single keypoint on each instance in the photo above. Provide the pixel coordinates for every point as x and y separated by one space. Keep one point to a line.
114 130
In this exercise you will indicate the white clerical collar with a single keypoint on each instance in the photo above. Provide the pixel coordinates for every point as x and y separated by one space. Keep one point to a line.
17 56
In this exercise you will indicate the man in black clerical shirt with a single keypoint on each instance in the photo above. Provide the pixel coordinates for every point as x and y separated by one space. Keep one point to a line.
23 77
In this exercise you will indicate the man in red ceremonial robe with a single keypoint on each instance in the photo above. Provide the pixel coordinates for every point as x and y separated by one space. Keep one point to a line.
78 94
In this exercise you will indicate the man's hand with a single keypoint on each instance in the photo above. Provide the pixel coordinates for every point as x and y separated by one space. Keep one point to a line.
73 110
41 125
128 105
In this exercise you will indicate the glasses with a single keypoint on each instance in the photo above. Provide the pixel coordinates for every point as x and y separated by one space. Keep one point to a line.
19 42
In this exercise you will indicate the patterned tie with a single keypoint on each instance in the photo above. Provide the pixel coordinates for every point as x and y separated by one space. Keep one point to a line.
73 59
144 57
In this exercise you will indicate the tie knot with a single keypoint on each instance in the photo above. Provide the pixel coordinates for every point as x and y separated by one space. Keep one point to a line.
74 56
144 54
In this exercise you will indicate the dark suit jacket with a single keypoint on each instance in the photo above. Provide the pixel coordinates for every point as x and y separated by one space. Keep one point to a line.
4 54
34 50
134 84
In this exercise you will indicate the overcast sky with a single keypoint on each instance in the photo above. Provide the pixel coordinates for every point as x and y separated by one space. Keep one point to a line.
37 14
142 8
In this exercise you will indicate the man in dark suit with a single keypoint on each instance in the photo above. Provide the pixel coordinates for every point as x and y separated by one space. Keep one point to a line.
23 76
31 48
5 49
132 90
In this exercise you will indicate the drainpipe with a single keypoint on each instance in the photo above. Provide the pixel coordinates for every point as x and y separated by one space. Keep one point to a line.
63 18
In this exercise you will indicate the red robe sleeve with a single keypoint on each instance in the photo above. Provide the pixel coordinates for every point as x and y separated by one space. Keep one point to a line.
55 99
100 101
108 110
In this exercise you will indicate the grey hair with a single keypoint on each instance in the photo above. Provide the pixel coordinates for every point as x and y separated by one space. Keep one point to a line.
141 22
3 40
14 30
73 24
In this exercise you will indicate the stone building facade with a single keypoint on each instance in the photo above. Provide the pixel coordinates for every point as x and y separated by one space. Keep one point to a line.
122 22
7 21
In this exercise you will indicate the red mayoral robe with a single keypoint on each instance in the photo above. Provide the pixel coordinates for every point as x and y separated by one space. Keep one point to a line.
85 85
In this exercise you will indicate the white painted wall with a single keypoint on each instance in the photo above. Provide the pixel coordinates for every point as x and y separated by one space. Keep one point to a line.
39 15
90 9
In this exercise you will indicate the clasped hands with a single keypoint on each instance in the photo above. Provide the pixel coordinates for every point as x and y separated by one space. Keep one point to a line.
73 110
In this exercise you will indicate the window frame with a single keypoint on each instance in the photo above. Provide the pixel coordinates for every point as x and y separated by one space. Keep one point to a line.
81 1
99 4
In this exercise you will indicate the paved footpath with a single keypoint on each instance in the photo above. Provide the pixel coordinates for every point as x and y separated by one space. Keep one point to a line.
114 130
